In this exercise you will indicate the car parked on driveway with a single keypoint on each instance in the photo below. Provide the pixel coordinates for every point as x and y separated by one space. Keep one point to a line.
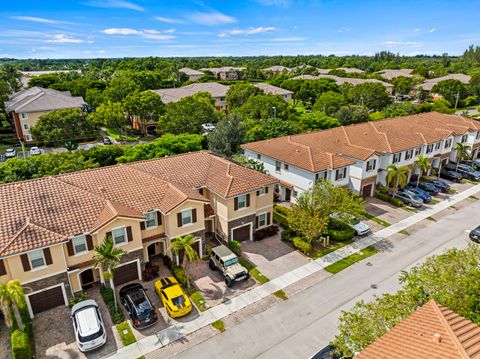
409 198
442 186
10 153
428 187
88 325
475 235
475 164
174 300
139 307
465 170
107 140
223 259
451 175
34 150
424 195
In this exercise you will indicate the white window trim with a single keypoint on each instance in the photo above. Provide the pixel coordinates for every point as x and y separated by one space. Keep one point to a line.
30 261
238 203
24 117
280 169
125 234
191 217
266 217
262 193
155 218
84 241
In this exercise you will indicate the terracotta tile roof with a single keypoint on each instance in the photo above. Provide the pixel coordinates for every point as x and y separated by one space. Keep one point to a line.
336 147
49 210
432 331
152 238
82 264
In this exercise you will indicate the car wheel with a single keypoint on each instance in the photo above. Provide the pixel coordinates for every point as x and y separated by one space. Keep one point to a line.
228 282
211 264
247 277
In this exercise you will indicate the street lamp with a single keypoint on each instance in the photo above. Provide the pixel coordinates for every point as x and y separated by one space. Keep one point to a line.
274 112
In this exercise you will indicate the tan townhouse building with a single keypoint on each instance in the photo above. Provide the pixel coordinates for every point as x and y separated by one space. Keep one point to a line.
225 73
25 107
193 75
50 226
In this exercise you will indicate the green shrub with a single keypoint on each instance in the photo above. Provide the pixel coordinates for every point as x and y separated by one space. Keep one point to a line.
341 235
107 296
179 273
234 245
387 198
77 299
283 210
26 320
280 219
21 345
287 235
302 245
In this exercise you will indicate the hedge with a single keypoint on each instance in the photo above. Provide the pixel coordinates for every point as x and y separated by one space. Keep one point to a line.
265 232
387 198
21 345
179 273
287 235
280 219
339 231
302 245
107 295
283 210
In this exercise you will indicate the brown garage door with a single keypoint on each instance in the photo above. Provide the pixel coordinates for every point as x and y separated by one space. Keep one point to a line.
46 300
242 233
125 273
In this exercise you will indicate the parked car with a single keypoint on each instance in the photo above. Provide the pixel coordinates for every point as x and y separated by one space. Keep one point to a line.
451 175
226 262
409 198
208 127
174 300
107 141
361 228
88 325
430 188
475 164
424 195
442 186
34 151
465 170
139 307
10 153
475 234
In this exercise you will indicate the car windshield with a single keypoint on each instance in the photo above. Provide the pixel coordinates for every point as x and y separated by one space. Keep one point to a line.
143 309
88 338
231 262
179 301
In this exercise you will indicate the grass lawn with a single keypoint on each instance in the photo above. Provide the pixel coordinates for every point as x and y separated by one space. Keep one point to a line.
378 220
199 301
218 324
126 334
408 209
254 272
464 180
347 262
435 201
404 232
280 294
325 250
452 190
117 135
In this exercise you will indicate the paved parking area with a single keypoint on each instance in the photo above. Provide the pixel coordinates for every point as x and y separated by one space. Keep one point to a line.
272 256
54 336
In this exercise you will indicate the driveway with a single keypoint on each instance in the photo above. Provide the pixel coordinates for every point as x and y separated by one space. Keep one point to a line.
385 211
54 336
272 256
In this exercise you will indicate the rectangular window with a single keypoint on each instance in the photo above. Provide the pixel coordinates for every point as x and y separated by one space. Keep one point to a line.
464 138
278 166
24 116
448 143
321 175
285 167
262 220
151 219
262 191
259 157
371 165
478 135
28 137
119 235
418 150
408 154
340 174
187 217
26 126
437 145
242 201
429 148
397 157
37 259
79 244
222 99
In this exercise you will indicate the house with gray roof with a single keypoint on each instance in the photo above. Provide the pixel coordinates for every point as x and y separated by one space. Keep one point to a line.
428 84
25 107
193 75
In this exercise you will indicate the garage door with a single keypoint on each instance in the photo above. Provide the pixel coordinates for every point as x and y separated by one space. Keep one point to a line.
48 299
242 233
125 273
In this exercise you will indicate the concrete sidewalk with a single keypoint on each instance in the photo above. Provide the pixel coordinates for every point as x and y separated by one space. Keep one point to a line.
180 330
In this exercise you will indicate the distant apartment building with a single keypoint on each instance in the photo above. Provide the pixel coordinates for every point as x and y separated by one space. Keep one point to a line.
25 107
275 90
28 75
392 74
341 80
193 75
357 156
225 73
276 69
427 85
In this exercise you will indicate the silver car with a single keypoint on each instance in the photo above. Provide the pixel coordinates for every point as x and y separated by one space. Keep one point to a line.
88 325
409 198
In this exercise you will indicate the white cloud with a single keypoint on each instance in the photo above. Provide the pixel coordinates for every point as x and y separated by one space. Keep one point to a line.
119 4
403 43
148 34
210 18
343 29
169 20
101 51
417 30
249 31
432 29
35 19
289 39
278 3
64 39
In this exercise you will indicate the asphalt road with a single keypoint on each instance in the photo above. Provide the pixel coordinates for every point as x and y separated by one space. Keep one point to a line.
306 322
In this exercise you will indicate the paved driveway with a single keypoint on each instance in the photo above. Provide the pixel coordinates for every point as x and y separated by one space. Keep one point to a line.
54 336
272 256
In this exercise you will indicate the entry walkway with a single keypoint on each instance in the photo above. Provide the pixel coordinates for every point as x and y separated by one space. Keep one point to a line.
180 330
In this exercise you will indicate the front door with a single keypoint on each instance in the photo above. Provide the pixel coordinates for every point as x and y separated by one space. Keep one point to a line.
367 190
288 194
87 278
151 250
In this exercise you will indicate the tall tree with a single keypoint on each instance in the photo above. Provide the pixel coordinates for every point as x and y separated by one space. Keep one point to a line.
11 76
107 257
370 94
402 85
227 136
185 244
12 298
452 90
238 94
264 106
423 164
351 114
462 152
330 102
397 177
145 106
110 114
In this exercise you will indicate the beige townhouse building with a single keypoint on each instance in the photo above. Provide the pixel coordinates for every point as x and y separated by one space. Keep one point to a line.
50 226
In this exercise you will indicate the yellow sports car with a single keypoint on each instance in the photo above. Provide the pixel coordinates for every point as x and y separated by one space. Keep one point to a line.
173 298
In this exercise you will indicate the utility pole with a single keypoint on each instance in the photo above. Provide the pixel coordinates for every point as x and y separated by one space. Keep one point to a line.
23 147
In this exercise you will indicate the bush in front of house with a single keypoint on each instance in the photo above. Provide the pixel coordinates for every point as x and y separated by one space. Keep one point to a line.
265 232
387 198
77 299
283 210
280 219
20 345
339 231
302 245
287 235
150 272
234 245
179 273
107 295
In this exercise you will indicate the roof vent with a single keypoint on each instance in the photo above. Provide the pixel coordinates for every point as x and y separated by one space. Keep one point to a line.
364 133
18 187
437 338
297 150
102 189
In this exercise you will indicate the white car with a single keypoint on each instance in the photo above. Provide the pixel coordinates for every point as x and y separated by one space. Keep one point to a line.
35 151
10 153
360 227
88 325
208 127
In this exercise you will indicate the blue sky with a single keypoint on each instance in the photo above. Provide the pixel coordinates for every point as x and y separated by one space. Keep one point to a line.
118 28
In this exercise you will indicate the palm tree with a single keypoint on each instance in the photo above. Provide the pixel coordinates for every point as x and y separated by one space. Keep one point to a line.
185 244
423 164
12 298
107 256
397 176
462 152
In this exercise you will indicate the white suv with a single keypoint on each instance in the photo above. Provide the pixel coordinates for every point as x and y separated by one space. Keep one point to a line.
88 325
